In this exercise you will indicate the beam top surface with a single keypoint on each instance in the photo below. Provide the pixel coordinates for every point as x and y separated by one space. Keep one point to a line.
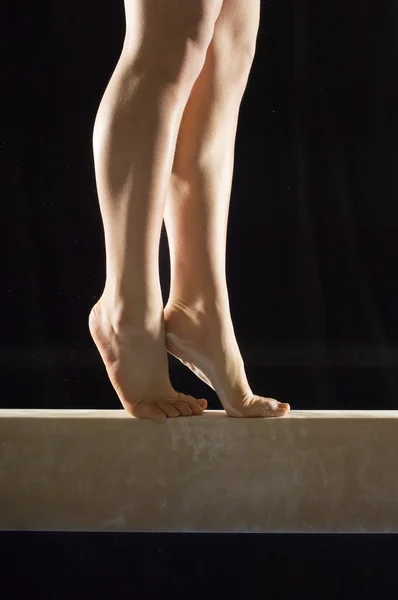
44 413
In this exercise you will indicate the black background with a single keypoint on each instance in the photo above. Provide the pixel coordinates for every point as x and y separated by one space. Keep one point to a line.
311 259
312 240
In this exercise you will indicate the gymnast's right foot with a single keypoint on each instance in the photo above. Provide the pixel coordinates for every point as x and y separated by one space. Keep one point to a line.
203 339
135 359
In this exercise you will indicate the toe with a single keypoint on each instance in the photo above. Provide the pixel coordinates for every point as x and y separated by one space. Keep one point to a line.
282 409
273 408
146 411
202 403
183 407
168 408
197 406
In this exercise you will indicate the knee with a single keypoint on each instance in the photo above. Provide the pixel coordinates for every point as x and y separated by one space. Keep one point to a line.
233 54
187 55
174 38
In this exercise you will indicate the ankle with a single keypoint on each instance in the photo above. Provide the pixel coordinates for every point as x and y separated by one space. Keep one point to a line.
199 301
124 314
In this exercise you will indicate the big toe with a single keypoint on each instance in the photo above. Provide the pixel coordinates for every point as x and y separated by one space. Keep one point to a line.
284 407
281 408
268 407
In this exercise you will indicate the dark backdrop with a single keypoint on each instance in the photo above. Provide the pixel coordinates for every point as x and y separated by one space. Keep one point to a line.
312 243
312 234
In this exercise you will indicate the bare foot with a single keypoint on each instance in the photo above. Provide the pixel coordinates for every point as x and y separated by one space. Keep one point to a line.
204 341
136 363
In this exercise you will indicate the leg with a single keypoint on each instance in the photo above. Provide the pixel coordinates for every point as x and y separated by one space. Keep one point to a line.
134 140
199 330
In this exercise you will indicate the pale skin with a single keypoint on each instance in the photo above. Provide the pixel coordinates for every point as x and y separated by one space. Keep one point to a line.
163 147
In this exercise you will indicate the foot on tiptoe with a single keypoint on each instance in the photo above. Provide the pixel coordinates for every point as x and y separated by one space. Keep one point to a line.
135 359
202 337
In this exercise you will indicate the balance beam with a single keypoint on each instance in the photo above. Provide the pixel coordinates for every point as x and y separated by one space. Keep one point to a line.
313 471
